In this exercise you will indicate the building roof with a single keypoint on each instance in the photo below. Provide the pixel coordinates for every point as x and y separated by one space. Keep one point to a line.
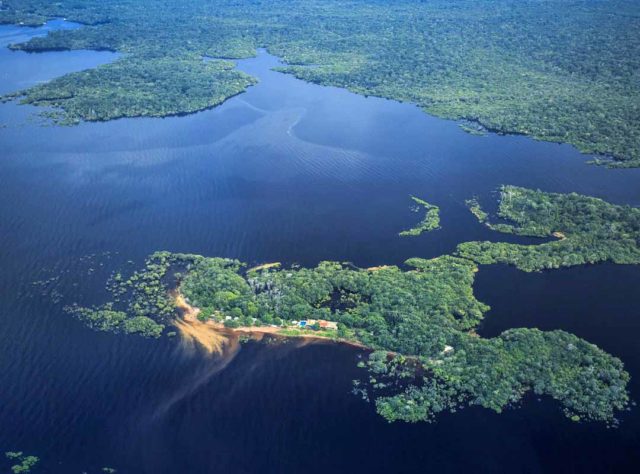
328 324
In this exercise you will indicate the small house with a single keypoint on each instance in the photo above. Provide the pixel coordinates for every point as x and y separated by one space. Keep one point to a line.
328 324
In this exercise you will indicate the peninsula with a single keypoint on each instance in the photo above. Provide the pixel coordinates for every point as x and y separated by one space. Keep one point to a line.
420 324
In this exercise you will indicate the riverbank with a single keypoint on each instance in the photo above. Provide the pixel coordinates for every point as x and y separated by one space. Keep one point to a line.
214 336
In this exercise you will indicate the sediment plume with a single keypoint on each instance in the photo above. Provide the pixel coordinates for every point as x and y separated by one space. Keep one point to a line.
202 335
195 333
200 378
213 336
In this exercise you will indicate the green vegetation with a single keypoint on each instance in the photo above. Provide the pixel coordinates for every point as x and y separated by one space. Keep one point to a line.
420 322
473 128
25 463
557 71
388 308
476 210
140 304
585 230
293 332
431 219
134 87
104 318
496 373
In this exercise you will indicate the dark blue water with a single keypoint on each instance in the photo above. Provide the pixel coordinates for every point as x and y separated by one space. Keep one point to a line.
287 172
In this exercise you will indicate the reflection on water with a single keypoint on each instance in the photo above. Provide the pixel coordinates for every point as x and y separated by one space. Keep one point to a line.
288 172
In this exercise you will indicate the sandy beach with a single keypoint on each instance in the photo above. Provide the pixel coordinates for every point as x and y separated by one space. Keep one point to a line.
214 337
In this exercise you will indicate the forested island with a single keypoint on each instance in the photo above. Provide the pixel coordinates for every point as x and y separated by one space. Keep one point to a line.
419 321
583 229
157 87
431 220
536 68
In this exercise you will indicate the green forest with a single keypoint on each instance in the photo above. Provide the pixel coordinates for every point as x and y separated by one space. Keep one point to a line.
510 66
134 87
419 320
582 229
420 323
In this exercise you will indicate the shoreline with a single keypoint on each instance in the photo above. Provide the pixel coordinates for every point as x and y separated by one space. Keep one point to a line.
213 335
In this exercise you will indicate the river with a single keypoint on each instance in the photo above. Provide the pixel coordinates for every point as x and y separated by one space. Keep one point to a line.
291 172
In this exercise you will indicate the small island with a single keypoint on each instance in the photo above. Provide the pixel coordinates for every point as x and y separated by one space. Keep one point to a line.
431 219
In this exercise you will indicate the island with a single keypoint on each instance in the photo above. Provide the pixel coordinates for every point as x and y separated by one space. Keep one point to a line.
431 219
138 87
578 230
416 326
483 63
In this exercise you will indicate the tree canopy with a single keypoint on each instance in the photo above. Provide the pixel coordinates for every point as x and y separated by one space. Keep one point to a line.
584 230
557 71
